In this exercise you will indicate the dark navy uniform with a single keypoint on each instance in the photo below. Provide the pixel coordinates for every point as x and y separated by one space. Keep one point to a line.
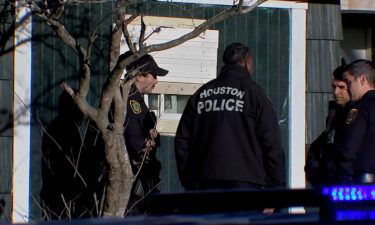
322 155
357 148
229 133
139 121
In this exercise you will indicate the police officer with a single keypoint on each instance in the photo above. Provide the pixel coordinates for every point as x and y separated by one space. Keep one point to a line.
356 149
141 137
228 136
320 162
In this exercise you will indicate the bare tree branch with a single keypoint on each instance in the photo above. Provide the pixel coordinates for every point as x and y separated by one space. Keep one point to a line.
60 30
123 22
204 26
113 82
117 69
142 35
119 115
58 11
157 30
115 47
44 6
128 38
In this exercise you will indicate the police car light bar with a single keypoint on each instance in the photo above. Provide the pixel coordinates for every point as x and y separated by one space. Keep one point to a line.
355 215
350 193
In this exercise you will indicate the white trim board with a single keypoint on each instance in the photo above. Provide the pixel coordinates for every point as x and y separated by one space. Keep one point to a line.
268 4
297 98
21 124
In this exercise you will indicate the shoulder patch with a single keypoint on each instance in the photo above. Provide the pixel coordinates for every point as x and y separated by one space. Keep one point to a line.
136 106
351 116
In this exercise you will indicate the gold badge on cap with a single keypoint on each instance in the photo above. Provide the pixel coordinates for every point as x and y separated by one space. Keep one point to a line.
136 107
351 116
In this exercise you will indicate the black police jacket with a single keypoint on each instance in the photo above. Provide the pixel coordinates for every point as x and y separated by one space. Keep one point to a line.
138 123
322 156
356 149
229 131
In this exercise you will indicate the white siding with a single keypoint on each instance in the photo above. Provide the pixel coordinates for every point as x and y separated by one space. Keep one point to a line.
194 61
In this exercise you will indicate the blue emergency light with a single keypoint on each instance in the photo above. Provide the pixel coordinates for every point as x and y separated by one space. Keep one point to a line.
355 215
350 193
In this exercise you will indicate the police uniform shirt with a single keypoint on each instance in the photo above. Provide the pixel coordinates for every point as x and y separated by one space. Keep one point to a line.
357 148
139 121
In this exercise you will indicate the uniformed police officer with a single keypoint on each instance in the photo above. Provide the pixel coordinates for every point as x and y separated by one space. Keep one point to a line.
228 136
320 162
356 149
141 137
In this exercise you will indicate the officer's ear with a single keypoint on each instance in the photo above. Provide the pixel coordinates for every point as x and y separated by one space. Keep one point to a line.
363 79
138 77
249 64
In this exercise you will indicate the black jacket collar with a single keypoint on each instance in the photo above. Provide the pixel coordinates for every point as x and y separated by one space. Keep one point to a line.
370 94
134 93
234 70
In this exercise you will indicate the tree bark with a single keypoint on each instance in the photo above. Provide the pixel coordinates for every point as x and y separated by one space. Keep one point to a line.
120 175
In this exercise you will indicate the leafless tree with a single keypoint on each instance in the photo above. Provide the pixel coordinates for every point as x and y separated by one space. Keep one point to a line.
114 91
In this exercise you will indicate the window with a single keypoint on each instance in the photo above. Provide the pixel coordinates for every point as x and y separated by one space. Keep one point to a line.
175 103
167 106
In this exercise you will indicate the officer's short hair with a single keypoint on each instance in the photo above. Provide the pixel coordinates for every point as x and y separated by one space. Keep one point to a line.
235 52
338 73
362 66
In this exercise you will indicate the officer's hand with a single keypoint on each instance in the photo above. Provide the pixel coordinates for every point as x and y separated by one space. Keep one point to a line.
150 144
153 133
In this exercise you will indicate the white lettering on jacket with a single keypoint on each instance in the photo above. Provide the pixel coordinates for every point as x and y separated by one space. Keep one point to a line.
221 99
220 91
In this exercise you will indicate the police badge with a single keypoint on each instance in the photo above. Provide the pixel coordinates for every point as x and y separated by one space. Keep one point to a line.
136 107
351 116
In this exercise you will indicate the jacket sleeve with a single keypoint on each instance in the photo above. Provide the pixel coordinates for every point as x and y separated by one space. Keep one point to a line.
350 146
134 136
313 159
269 137
182 145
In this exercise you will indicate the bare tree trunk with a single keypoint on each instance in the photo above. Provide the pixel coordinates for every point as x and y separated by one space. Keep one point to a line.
120 175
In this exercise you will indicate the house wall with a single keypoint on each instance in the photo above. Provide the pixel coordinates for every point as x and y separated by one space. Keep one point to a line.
6 114
324 35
